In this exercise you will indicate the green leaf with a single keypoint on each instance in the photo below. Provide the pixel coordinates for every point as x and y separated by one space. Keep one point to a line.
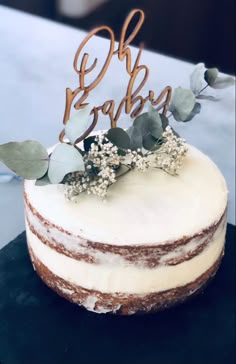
223 82
43 181
129 131
151 108
121 152
196 110
149 123
149 142
164 121
211 75
141 123
196 78
88 141
64 159
119 138
78 124
28 159
155 124
123 169
182 103
136 138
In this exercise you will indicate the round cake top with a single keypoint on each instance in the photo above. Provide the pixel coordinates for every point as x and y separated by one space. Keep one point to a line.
141 208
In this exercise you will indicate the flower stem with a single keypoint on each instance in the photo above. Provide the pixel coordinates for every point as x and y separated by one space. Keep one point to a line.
79 150
129 168
203 89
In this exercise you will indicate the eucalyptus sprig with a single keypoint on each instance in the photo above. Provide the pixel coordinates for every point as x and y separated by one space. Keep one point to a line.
30 160
103 159
202 78
184 106
146 132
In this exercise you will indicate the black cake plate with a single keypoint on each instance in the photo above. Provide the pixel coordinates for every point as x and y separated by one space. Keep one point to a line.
39 327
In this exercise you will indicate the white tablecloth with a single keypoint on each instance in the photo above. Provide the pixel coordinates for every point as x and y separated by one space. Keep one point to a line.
36 66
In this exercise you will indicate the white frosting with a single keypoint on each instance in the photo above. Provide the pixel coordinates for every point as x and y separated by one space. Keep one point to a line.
142 207
127 279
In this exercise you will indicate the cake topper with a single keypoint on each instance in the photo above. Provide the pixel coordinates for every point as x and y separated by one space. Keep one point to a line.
132 102
96 163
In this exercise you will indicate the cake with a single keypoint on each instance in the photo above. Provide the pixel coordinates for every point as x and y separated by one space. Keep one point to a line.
124 220
156 240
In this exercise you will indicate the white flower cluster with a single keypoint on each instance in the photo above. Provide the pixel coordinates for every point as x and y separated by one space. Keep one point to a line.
171 154
103 160
138 160
100 164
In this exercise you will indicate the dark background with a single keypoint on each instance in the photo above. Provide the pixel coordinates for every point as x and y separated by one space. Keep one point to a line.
193 30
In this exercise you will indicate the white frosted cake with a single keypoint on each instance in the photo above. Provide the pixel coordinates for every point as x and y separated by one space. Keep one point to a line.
156 240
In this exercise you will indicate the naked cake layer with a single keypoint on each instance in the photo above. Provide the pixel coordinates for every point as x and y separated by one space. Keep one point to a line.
155 241
124 304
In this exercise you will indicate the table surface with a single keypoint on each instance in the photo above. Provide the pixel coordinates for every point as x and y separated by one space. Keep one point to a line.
36 66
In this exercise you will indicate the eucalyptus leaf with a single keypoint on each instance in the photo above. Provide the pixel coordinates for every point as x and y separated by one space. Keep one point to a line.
197 78
149 142
164 121
43 181
152 111
151 108
119 138
28 159
129 131
149 123
196 110
182 103
88 141
155 124
123 169
141 122
136 138
121 152
223 82
64 159
207 97
78 124
211 75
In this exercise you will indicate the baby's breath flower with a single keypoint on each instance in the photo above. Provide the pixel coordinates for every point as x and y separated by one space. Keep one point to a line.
102 160
171 154
103 156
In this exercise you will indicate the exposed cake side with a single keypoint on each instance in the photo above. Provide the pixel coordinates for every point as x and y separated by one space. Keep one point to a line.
112 277
125 304
150 256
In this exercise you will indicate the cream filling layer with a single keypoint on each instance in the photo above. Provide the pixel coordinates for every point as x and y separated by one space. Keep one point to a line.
79 245
107 279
